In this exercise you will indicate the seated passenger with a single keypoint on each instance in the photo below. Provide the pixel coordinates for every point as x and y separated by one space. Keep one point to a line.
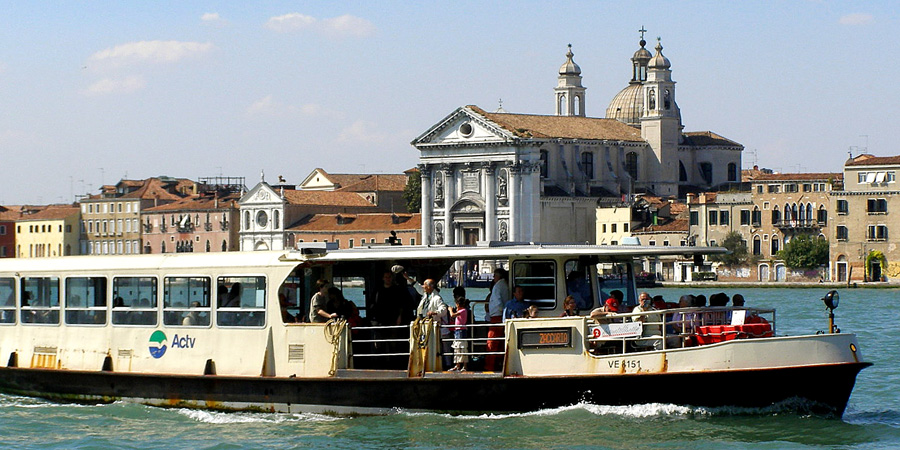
610 308
652 328
192 317
515 307
531 312
570 307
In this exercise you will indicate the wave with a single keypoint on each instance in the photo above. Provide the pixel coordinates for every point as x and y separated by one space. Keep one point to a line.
217 417
799 407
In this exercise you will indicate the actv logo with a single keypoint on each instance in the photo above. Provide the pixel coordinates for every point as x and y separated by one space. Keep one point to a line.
158 344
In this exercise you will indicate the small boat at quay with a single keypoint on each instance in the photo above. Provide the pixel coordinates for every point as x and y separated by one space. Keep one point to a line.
219 331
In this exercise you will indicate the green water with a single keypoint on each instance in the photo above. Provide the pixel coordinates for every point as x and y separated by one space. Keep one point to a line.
872 420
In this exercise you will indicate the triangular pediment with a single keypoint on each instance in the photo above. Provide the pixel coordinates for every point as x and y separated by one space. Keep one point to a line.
317 180
261 194
464 126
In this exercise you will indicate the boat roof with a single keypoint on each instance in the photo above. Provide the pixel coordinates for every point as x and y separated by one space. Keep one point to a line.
322 253
504 250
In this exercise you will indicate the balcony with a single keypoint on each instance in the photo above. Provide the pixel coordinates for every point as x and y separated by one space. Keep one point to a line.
799 224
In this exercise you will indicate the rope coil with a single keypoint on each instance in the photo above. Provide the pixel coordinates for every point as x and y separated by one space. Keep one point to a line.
334 329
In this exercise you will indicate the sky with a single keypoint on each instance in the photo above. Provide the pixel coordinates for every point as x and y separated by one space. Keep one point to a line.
93 92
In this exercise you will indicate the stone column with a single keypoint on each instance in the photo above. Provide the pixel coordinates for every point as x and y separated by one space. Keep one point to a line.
514 192
425 173
490 203
449 194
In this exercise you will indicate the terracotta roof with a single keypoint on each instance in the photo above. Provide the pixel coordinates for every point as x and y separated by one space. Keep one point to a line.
326 198
676 225
707 138
199 202
359 222
52 212
799 177
372 183
154 188
870 160
677 208
566 127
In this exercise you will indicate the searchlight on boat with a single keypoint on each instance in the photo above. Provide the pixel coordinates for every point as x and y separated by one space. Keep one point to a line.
831 300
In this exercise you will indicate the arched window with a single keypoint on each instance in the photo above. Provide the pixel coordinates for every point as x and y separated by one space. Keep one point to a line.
706 171
162 247
631 165
787 213
667 100
794 213
577 105
587 164
246 220
757 245
208 247
682 172
776 245
776 216
809 213
562 105
545 170
651 99
224 246
732 172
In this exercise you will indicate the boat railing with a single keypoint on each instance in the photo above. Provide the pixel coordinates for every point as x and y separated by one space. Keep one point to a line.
677 328
380 341
477 342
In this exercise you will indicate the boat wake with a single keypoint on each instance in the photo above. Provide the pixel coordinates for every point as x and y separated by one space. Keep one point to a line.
649 410
215 417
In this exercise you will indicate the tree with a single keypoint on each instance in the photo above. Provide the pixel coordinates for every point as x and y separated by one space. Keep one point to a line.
805 252
737 246
412 193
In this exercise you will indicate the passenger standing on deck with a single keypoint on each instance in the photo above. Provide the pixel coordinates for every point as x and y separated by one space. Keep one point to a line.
460 316
433 306
317 303
496 302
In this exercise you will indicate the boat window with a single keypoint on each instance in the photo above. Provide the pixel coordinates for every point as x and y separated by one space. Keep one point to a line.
40 300
538 279
134 301
86 300
578 284
241 302
186 301
7 300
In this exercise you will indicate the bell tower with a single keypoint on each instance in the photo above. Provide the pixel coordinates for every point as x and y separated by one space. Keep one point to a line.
661 123
569 91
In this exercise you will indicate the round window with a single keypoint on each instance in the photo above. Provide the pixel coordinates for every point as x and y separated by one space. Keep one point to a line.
262 219
466 129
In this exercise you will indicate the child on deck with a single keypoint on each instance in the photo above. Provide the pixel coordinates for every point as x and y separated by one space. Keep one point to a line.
460 315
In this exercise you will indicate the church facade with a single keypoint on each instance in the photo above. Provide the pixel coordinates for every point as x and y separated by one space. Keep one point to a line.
498 176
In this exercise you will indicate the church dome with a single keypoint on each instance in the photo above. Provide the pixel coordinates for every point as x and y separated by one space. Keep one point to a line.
569 67
659 61
628 105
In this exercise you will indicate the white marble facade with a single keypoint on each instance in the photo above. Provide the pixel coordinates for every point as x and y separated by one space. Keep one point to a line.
523 177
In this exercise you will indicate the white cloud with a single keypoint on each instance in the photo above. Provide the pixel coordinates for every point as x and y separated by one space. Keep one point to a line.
348 25
268 106
857 19
341 26
150 52
363 131
213 19
115 86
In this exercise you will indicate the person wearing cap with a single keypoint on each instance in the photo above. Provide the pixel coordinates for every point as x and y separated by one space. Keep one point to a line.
610 308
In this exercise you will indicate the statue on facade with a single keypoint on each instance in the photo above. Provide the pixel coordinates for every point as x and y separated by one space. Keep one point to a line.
504 231
439 233
438 190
